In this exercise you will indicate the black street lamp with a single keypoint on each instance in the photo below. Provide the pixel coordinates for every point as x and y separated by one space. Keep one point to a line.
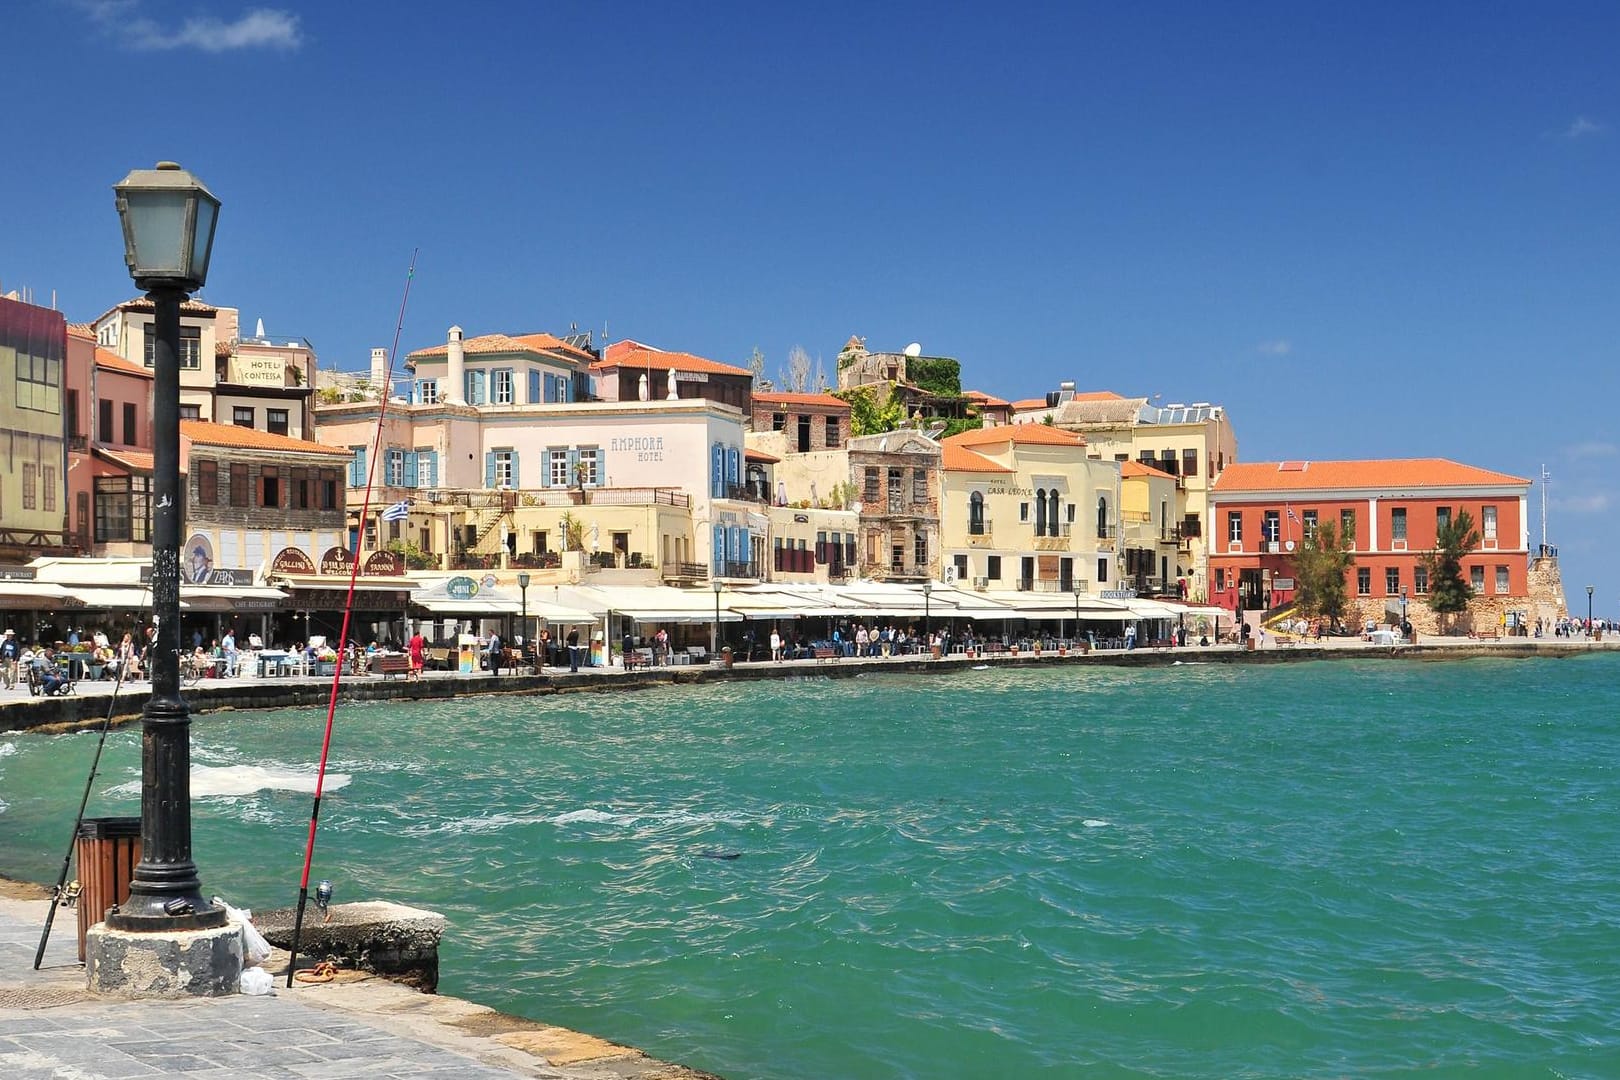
714 631
1403 615
1076 611
168 218
523 588
1589 611
928 591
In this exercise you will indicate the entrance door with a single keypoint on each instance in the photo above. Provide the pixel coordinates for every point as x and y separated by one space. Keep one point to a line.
1251 590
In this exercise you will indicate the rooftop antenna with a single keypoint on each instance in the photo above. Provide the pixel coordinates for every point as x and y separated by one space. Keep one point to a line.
914 349
1545 476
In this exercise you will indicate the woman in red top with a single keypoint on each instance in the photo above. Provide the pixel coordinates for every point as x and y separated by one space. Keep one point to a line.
417 649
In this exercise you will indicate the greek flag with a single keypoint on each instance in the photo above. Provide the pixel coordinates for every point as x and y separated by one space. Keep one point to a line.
398 512
1291 516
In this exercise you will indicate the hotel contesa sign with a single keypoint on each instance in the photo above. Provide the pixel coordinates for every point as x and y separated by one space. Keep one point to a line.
258 371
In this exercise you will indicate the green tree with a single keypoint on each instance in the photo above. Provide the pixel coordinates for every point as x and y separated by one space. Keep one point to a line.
870 414
1321 566
415 557
1449 592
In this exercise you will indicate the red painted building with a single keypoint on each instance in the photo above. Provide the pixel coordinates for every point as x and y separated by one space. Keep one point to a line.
1261 511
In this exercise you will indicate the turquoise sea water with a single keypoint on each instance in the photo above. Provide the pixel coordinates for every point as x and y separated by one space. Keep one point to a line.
1318 869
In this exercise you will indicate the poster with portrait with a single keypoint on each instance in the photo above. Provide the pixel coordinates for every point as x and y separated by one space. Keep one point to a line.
198 559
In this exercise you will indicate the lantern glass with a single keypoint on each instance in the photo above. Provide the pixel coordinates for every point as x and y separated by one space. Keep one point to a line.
169 218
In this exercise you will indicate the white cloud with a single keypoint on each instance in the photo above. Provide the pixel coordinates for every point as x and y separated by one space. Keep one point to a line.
1591 450
268 28
1595 503
1275 348
1581 127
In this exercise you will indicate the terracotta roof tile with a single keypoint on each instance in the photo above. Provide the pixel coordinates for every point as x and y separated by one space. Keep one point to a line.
760 456
502 343
983 398
134 460
141 303
1389 473
1022 434
113 362
82 330
956 458
659 360
785 398
1136 468
553 343
205 433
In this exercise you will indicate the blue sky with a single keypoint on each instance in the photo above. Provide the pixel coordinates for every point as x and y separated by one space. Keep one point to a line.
1376 230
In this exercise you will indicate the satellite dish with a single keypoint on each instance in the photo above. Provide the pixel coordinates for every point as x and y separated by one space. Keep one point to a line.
914 349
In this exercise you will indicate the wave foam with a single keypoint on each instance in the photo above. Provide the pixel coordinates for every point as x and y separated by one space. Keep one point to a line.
1095 823
246 779
596 817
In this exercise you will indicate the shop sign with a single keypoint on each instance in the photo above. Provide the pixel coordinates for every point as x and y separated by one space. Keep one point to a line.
19 573
337 560
258 371
1282 584
461 588
291 561
385 564
691 376
392 600
1118 594
489 579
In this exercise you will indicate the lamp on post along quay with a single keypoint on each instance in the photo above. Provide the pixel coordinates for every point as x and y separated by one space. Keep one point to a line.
714 632
1589 611
166 940
1403 615
523 591
928 592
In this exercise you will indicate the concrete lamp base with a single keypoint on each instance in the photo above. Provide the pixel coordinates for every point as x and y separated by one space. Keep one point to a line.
163 964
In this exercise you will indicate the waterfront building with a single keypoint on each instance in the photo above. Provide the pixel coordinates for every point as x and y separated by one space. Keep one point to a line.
927 387
33 479
1149 530
1192 443
1025 509
109 433
896 475
632 371
992 410
1262 511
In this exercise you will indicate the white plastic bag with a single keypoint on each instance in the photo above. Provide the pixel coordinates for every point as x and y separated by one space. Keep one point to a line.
255 950
257 980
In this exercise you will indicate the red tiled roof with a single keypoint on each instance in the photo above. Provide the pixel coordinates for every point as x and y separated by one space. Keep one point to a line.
113 362
82 330
957 458
760 456
553 343
141 303
659 360
1089 395
1390 473
1136 468
1024 434
205 433
502 343
785 398
134 460
983 398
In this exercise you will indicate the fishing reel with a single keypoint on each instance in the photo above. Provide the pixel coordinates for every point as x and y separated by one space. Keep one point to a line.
68 895
323 898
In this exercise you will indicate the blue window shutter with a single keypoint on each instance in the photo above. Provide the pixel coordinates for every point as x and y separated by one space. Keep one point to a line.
411 471
430 468
489 469
515 473
731 465
357 468
467 387
719 546
716 470
534 385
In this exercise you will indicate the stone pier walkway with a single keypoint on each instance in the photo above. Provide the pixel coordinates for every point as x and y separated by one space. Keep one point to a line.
51 1028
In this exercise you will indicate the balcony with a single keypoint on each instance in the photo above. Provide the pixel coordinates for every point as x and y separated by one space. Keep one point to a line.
684 571
467 560
729 569
1045 585
539 560
744 493
980 534
1048 542
78 443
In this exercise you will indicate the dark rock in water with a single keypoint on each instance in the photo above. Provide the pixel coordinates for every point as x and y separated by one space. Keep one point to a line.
712 854
392 940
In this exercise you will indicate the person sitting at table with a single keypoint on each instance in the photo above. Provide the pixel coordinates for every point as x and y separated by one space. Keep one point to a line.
51 680
104 659
201 662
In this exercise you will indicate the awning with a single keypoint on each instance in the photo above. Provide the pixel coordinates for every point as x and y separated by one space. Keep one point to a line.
113 598
648 604
31 595
1152 609
232 597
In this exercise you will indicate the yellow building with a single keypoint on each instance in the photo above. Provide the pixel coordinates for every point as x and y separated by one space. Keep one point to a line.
1150 532
33 476
1025 508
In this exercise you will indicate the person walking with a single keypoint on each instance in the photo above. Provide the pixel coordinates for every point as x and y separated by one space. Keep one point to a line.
776 645
495 656
418 652
9 652
573 648
228 647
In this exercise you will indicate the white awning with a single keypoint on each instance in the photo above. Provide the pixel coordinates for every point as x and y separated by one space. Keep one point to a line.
30 595
1152 609
231 597
646 604
112 598
477 605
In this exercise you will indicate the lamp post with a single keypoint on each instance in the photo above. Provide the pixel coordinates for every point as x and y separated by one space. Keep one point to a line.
928 592
1589 611
168 221
1404 632
523 590
714 631
1076 591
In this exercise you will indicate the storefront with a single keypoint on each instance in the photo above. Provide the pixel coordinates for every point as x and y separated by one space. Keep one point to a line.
318 595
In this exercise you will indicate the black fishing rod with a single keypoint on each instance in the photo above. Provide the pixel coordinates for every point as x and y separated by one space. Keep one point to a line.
73 838
324 893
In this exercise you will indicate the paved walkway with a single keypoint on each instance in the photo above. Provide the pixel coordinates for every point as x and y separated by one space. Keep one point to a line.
51 1028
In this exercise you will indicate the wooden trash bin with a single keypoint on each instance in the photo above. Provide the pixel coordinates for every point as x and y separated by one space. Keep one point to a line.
108 849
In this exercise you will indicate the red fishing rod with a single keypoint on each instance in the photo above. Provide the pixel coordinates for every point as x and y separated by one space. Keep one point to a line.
343 634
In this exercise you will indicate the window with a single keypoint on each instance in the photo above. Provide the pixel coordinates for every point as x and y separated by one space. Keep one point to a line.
104 420
557 467
1102 570
535 394
394 472
1040 511
1167 461
1103 531
1347 527
300 489
129 424
1189 463
328 483
275 421
242 415
1501 576
1023 511
48 482
1392 581
239 484
357 469
960 562
427 391
779 421
870 492
1220 579
1487 520
804 432
976 514
123 509
832 433
992 568
1442 517
1420 580
1271 526
1397 524
39 382
919 485
896 478
1234 526
427 467
269 487
1476 578
29 496
1309 526
1191 526
191 412
207 482
503 386
590 466
190 347
505 463
477 386
73 414
1363 581
919 550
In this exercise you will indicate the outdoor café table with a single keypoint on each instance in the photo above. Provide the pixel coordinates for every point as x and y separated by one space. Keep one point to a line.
270 664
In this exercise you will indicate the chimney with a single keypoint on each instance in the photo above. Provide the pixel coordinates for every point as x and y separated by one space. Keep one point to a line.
455 377
379 368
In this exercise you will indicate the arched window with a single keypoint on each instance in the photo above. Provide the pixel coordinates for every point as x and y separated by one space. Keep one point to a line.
1040 512
1052 513
1102 517
976 514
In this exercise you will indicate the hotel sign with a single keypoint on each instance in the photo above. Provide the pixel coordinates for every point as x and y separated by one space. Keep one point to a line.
26 573
645 447
258 371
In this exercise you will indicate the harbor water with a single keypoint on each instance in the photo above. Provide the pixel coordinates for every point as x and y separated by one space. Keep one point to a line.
1338 869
